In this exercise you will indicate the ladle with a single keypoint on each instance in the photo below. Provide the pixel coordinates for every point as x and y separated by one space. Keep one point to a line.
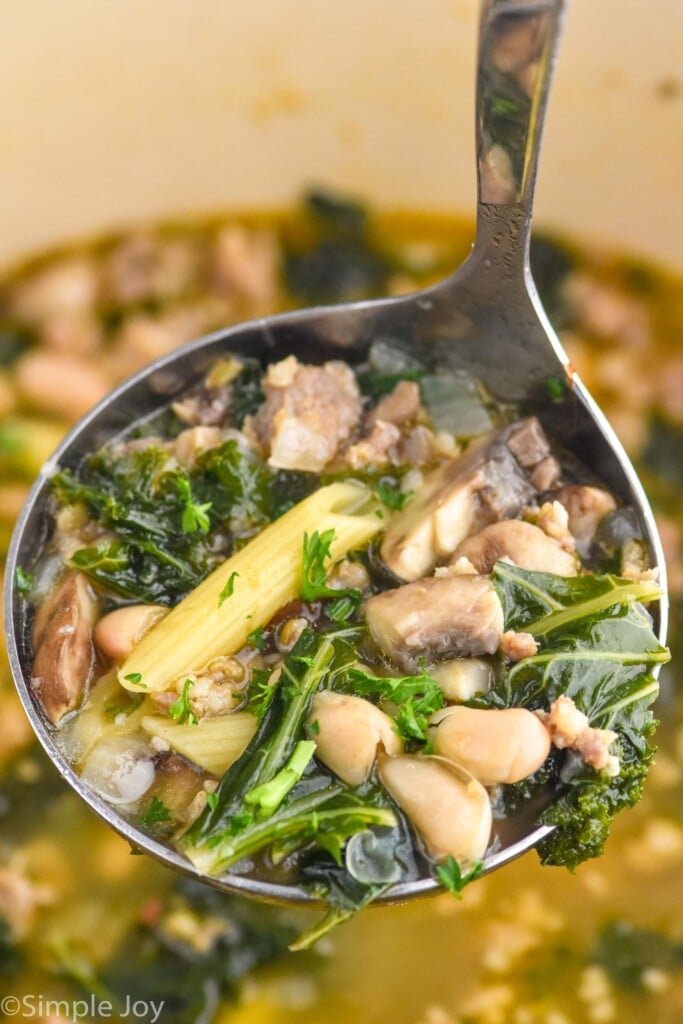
486 319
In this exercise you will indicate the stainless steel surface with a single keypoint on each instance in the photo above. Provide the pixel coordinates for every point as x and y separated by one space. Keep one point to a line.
486 319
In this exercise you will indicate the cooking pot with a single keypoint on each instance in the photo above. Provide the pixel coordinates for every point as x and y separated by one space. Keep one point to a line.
116 113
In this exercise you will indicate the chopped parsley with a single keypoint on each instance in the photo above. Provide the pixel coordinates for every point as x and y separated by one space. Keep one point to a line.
194 517
136 679
452 877
229 589
392 496
180 709
156 814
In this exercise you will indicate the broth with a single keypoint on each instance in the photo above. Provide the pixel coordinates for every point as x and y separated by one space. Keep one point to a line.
525 946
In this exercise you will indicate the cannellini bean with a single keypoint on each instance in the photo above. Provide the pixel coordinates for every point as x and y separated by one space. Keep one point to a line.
61 384
347 731
449 808
495 746
117 633
463 678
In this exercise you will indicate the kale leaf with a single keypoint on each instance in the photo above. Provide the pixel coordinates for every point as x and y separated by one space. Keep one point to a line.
626 952
596 645
164 540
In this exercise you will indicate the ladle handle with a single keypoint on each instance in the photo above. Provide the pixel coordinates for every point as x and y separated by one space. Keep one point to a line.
517 48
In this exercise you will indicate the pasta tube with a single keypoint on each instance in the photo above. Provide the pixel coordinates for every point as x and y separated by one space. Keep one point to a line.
213 744
248 589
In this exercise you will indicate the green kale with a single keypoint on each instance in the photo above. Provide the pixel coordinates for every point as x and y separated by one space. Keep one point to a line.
246 393
266 800
340 260
157 968
10 957
375 384
626 952
236 482
596 646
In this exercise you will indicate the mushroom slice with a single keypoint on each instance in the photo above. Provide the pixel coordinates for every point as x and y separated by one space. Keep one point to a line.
348 731
447 806
437 617
522 543
63 645
489 483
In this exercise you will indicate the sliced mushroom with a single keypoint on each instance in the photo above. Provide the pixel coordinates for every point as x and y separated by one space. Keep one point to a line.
117 633
495 746
450 809
587 507
63 646
120 769
433 618
348 731
487 484
522 543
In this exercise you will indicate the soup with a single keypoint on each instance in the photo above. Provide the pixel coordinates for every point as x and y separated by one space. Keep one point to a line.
508 949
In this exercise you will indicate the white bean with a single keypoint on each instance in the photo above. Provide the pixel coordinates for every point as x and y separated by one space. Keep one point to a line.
348 731
449 808
495 746
117 633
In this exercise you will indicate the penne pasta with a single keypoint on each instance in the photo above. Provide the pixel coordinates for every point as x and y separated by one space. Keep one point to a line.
261 578
213 744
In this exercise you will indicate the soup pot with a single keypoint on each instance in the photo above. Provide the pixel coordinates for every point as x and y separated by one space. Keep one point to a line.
125 112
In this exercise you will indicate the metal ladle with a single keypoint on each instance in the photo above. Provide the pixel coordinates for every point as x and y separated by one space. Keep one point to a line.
486 319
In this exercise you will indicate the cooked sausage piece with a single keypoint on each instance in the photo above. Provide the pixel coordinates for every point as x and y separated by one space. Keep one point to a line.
522 543
309 412
587 507
63 645
437 617
489 483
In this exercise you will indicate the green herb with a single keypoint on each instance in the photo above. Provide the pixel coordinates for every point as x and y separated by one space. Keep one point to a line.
212 801
156 814
136 679
261 691
452 877
269 795
627 953
390 494
416 697
556 388
229 589
316 555
255 638
180 709
376 384
24 581
194 516
597 647
313 728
